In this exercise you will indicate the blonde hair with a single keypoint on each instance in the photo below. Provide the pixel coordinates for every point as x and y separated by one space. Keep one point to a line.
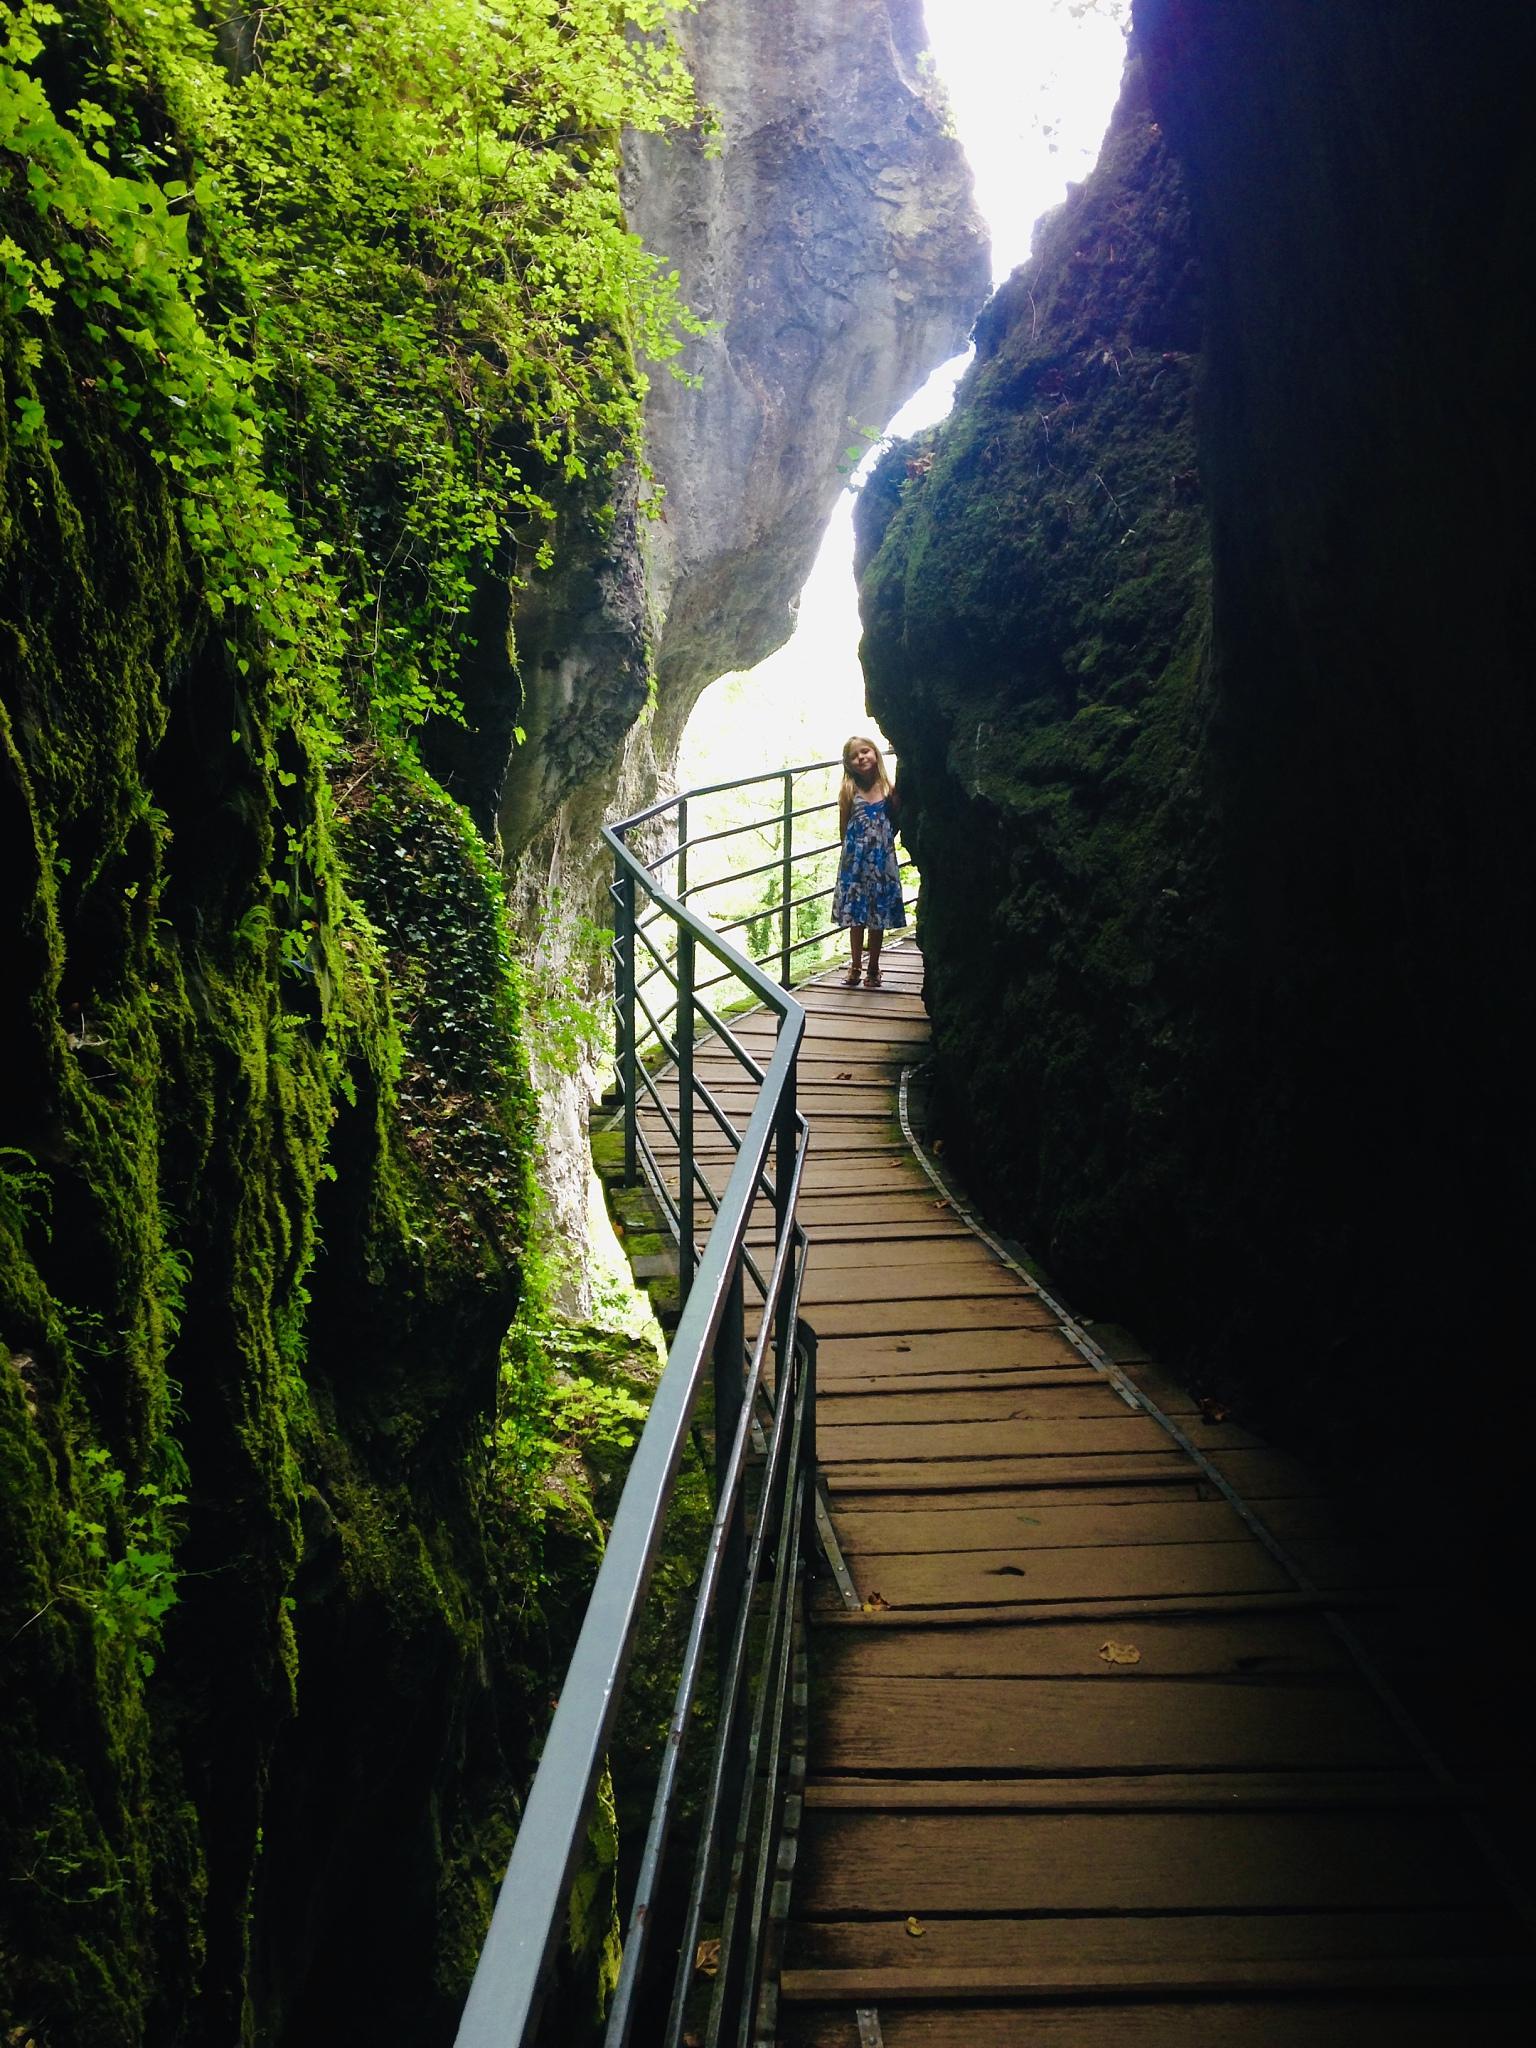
845 794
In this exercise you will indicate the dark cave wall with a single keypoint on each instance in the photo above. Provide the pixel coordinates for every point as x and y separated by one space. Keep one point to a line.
1361 183
1261 1070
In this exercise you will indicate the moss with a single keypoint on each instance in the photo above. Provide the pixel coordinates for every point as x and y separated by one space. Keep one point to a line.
593 1924
267 1157
1034 579
270 1118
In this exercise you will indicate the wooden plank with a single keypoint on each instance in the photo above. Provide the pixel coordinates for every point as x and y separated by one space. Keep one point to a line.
1081 1398
891 1282
1131 1862
961 1500
876 1442
1094 1943
939 1475
1004 1578
845 1241
1156 1792
1223 1645
1016 1311
866 1212
935 1350
865 1176
1243 1978
910 1378
996 1528
938 1244
1110 1615
1416 2020
907 1033
1055 1725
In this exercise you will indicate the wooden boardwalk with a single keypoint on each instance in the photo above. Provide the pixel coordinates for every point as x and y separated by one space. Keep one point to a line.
1090 1764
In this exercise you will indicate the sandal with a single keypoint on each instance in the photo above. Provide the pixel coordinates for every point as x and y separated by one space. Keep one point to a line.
851 978
872 978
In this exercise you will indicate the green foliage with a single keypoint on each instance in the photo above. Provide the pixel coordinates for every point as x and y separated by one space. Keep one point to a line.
293 352
437 907
26 1195
602 1422
362 301
564 961
126 1536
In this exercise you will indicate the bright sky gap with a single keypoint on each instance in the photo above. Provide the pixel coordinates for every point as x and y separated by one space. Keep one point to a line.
1032 84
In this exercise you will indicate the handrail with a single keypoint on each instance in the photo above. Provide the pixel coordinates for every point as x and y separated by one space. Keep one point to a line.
753 1568
680 813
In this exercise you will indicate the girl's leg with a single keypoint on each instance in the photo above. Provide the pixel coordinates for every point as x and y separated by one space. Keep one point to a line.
876 939
856 952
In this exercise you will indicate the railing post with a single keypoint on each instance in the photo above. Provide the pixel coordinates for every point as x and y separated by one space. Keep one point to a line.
624 977
682 849
786 920
683 1026
805 1341
729 1376
783 1223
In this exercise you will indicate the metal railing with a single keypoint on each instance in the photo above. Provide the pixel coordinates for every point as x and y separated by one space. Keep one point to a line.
740 1328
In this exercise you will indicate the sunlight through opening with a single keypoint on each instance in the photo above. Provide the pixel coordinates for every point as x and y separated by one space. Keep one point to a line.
1031 84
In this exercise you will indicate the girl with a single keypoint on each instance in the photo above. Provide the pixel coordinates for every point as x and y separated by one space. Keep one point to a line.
868 892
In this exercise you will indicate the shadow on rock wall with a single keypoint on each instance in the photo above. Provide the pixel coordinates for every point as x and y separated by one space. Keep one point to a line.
1218 732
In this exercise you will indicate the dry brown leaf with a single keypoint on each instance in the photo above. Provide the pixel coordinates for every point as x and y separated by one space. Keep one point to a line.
915 1926
941 1203
1119 1653
1211 1409
875 1602
706 1959
848 1076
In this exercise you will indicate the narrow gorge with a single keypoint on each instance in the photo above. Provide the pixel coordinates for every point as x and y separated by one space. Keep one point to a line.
405 415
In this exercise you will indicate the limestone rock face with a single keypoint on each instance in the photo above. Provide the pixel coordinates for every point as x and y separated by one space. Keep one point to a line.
834 242
830 235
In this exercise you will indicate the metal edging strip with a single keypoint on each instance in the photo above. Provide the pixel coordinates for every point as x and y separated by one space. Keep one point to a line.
1134 1397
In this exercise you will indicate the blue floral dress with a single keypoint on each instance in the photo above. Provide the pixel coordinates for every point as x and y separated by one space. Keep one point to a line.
868 888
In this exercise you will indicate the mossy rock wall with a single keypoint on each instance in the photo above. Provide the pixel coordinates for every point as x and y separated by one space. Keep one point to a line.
263 1210
1032 580
1228 898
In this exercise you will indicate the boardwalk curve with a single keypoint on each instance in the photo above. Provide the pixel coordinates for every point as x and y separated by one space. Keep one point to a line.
1089 1762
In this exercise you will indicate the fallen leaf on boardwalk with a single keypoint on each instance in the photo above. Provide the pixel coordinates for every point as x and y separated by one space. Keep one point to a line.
706 1959
941 1203
915 1926
903 1347
1120 1653
875 1602
844 1077
1211 1409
